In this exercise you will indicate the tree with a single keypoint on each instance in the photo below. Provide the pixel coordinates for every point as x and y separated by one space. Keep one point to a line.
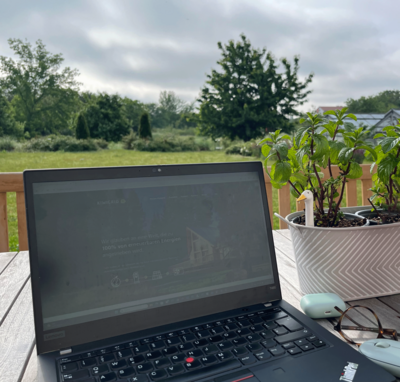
105 117
8 126
249 93
44 96
144 127
132 111
380 103
82 129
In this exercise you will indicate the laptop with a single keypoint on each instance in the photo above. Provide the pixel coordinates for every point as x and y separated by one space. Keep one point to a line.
168 273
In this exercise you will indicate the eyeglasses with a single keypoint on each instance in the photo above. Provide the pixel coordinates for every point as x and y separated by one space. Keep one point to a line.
370 332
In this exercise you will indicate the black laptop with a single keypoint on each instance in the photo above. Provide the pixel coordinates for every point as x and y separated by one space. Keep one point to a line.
168 273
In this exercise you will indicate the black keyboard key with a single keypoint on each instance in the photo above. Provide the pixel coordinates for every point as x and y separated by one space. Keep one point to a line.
267 334
294 351
244 332
75 375
319 343
211 349
178 358
140 349
66 367
154 355
157 345
117 347
277 350
290 324
183 332
175 370
158 374
88 362
280 331
97 370
123 353
162 363
131 344
146 341
171 334
195 353
274 316
118 364
229 335
203 334
307 347
254 338
289 345
217 330
312 338
262 355
139 378
206 371
104 351
301 342
188 337
226 345
200 343
173 341
254 347
239 341
195 364
256 320
290 337
209 360
248 359
257 328
270 325
222 356
216 339
124 373
110 377
186 347
106 358
170 351
270 343
144 368
73 358
229 321
208 326
163 337
196 328
231 326
218 323
88 354
137 360
244 323
240 351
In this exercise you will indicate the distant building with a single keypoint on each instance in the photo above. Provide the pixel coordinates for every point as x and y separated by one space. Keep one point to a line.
391 118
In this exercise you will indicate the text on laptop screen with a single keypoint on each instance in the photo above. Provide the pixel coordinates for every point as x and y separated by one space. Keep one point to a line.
116 246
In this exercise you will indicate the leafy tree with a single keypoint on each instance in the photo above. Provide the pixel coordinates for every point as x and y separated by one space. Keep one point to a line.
8 126
250 94
144 127
132 111
44 96
380 103
82 129
105 117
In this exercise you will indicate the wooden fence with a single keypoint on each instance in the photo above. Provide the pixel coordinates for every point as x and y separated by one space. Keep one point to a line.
13 182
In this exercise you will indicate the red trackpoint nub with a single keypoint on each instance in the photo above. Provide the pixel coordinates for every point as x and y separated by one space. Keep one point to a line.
189 360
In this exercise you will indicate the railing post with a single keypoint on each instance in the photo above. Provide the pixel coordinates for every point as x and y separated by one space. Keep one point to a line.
284 204
351 193
22 229
4 246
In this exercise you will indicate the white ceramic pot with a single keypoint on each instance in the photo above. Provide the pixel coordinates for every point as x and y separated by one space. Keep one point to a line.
354 263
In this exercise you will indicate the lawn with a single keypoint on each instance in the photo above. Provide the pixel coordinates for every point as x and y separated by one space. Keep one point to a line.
19 161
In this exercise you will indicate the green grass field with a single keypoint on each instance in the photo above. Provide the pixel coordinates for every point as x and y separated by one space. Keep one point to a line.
20 161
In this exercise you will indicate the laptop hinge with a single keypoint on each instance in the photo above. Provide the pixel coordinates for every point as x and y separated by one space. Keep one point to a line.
65 351
267 304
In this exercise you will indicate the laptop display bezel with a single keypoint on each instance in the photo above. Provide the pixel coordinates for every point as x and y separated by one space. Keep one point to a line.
67 337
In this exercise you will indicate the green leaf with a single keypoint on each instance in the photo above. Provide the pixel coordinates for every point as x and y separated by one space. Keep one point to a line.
379 135
265 150
352 116
302 153
285 136
321 147
345 154
300 134
386 168
329 112
335 148
302 120
268 139
370 150
355 171
282 149
389 143
281 171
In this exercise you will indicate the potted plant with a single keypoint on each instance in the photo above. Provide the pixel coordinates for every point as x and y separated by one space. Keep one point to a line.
386 188
337 253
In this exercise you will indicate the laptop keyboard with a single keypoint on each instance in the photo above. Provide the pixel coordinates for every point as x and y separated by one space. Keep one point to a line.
197 352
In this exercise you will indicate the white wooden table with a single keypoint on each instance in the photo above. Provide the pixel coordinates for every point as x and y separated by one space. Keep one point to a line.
17 337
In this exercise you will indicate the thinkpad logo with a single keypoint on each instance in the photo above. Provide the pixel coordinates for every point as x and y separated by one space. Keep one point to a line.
349 372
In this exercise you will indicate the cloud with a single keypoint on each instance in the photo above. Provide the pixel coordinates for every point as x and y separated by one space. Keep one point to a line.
138 48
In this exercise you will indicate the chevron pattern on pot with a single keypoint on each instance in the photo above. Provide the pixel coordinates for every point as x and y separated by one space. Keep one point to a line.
355 263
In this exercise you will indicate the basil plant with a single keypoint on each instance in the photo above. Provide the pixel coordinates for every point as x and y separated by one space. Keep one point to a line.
318 144
386 188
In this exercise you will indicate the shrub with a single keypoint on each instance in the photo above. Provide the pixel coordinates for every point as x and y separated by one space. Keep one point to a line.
101 143
144 126
60 143
82 129
7 144
128 140
246 149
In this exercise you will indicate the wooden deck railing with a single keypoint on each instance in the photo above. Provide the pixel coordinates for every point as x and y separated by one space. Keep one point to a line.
12 182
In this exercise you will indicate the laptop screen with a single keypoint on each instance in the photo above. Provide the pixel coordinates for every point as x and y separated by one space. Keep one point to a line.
111 247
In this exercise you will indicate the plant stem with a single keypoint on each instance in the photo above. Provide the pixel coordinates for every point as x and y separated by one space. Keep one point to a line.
376 210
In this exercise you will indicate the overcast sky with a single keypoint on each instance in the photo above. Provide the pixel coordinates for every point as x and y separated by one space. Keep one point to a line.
139 47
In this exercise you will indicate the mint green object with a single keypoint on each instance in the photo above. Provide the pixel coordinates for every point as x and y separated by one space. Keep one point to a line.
322 305
383 352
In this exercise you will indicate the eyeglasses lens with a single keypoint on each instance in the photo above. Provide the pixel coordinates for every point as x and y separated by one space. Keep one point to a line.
363 319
